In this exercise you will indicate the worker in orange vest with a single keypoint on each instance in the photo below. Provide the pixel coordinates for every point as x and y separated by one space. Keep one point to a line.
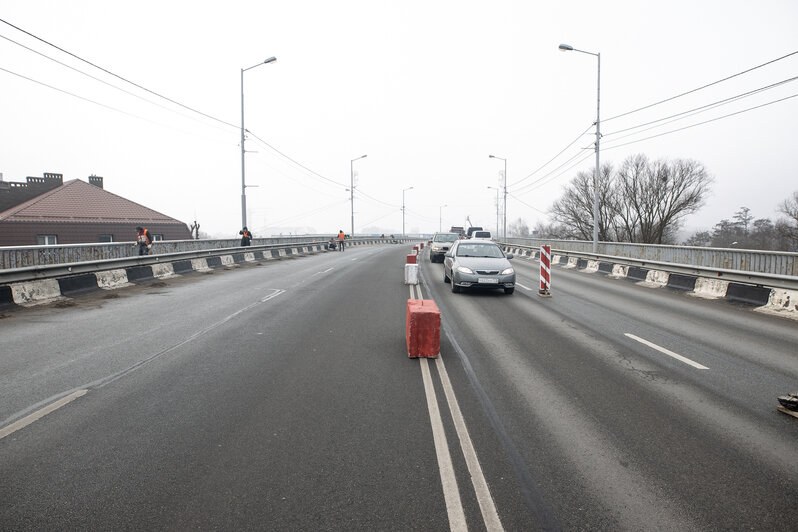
341 237
144 240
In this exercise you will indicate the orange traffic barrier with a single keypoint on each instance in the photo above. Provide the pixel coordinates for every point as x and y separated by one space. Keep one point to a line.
423 328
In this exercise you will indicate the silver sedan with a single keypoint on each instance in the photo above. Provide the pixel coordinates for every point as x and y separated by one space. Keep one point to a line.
478 264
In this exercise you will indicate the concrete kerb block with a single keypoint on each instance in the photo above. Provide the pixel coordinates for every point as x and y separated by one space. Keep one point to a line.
281 253
710 288
227 260
748 294
112 279
295 251
163 271
655 279
73 284
423 328
619 271
37 292
199 265
781 303
411 273
592 266
572 262
249 257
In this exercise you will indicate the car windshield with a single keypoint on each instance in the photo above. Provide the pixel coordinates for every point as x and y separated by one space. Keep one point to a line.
446 238
479 250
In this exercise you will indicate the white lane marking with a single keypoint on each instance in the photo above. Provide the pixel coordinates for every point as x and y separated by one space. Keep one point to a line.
325 271
27 420
274 294
486 505
354 258
451 494
522 286
666 351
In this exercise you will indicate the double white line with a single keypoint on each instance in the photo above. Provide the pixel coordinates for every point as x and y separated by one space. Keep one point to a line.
451 493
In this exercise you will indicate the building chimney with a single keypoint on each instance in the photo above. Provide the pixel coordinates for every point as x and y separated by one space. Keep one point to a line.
96 180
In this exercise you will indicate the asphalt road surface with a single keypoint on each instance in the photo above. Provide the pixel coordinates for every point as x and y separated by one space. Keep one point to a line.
279 396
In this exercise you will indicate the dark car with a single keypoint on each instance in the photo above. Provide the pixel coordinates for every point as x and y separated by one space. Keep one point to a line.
441 243
478 264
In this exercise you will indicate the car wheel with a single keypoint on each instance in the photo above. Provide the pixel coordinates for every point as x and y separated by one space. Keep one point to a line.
445 278
455 289
509 291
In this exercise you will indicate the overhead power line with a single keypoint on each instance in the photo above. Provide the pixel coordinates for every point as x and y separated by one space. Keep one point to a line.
700 88
702 123
703 108
117 76
553 158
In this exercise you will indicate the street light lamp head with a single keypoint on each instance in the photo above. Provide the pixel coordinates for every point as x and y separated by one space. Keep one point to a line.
566 47
492 156
272 59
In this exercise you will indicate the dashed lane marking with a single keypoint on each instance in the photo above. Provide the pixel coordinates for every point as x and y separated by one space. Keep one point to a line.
666 351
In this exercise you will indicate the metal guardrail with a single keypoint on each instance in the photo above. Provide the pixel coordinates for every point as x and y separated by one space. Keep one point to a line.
50 271
28 256
769 280
743 260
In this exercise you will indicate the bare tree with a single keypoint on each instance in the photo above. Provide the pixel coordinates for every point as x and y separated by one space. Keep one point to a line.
645 201
660 194
574 209
788 229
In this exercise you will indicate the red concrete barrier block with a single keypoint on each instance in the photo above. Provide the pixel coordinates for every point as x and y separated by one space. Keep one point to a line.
415 248
411 259
423 328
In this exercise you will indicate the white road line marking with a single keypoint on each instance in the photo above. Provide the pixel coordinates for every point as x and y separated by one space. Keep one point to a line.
27 420
666 351
486 505
451 494
274 294
354 258
522 286
325 271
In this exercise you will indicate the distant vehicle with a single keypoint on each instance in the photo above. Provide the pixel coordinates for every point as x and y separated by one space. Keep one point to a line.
478 264
483 235
441 243
458 229
472 229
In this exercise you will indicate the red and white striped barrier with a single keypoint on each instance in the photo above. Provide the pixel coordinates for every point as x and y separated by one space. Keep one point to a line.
545 271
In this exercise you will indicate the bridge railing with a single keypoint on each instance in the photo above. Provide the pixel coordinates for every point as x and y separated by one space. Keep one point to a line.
744 260
29 256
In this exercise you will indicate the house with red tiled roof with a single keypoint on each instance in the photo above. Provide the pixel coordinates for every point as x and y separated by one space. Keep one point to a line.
76 212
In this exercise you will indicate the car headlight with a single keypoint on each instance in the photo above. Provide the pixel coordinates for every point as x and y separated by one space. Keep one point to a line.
463 269
507 271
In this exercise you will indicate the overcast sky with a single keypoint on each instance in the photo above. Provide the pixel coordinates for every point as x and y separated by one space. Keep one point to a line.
427 89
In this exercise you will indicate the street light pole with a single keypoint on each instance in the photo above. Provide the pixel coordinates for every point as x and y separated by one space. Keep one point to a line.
597 175
505 193
440 218
403 209
352 190
243 173
497 210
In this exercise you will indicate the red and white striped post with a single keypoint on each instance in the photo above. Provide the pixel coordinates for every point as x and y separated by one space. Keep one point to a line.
545 271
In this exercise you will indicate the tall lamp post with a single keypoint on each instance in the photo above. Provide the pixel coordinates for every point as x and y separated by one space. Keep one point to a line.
497 209
403 208
243 173
505 192
569 48
352 190
440 218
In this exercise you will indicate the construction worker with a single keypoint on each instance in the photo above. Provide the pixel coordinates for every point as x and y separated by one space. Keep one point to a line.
144 240
341 237
246 236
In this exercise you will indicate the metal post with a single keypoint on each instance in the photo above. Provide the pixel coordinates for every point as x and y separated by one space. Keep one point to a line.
505 200
352 195
243 173
598 167
243 179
